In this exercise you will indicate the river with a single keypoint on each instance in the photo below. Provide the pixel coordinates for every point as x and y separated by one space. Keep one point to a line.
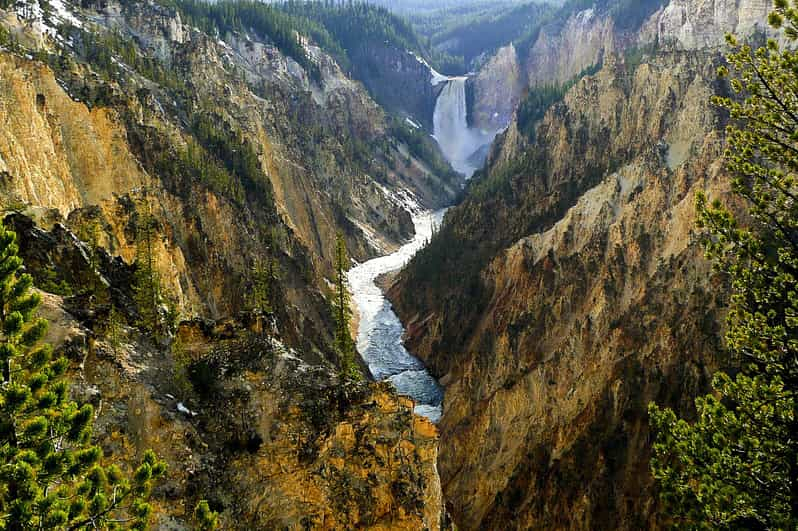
379 338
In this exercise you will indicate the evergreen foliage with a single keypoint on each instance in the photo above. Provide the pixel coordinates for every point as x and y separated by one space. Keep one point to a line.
540 98
51 476
101 50
342 312
473 34
236 155
148 292
264 277
5 35
89 233
340 28
353 25
206 519
736 466
535 103
114 327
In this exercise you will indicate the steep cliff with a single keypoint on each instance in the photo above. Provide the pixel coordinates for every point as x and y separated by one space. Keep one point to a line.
324 151
569 45
578 39
692 24
399 81
568 291
497 89
119 120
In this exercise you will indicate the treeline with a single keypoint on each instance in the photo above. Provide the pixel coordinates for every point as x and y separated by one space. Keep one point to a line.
487 30
353 25
101 49
627 14
337 27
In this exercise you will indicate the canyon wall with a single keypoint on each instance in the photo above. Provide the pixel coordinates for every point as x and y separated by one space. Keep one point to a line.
496 90
569 289
581 295
234 156
399 81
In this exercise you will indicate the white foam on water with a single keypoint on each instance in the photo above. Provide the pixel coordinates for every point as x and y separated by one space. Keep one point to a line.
379 338
459 142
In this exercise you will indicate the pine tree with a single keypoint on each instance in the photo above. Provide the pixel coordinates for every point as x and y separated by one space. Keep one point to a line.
206 519
114 328
148 292
50 475
264 276
736 466
344 346
90 234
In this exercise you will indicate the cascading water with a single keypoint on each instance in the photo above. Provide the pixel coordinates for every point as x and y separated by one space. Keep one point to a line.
459 143
379 338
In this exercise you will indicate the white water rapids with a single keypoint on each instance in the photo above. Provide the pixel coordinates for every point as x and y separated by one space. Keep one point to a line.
379 338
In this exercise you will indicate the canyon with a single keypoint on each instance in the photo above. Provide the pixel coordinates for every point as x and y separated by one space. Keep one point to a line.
527 275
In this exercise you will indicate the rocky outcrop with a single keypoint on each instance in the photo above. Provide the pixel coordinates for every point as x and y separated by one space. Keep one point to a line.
399 81
581 294
695 24
270 441
268 434
497 89
564 49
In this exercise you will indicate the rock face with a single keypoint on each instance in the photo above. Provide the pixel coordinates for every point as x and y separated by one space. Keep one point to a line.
566 293
580 40
564 49
399 81
41 131
693 24
235 156
497 90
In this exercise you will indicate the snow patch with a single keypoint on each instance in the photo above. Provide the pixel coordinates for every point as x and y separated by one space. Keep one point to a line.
32 12
186 411
412 124
61 12
437 77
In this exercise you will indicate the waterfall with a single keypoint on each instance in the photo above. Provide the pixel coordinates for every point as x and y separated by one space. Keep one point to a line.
458 142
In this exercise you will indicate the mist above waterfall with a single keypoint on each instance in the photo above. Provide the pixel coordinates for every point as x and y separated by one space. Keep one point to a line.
460 143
